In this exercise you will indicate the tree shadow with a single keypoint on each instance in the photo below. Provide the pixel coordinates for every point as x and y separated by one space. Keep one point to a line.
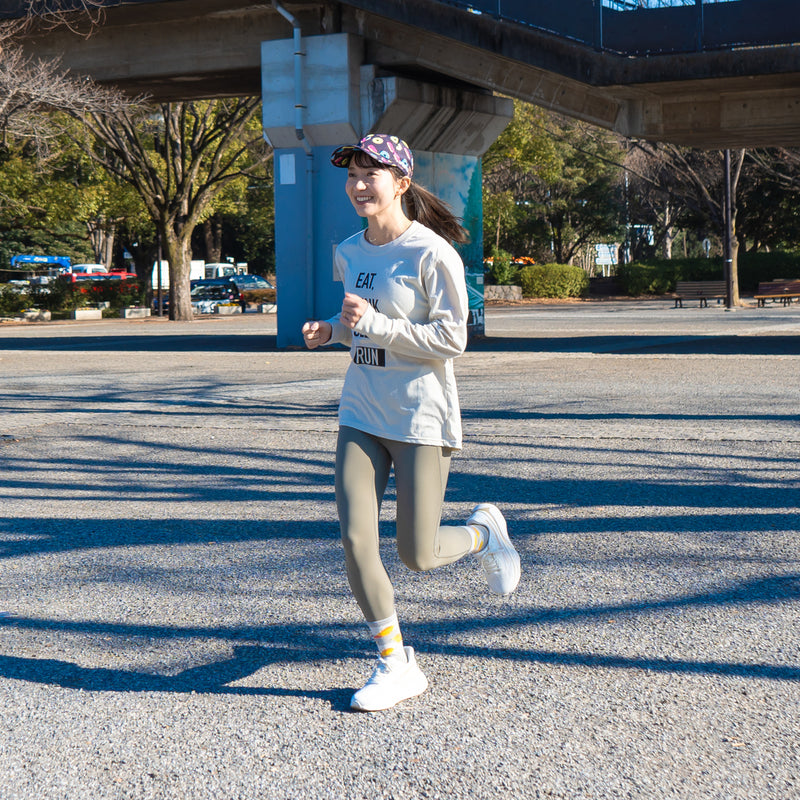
280 476
340 639
222 342
211 678
148 343
767 345
528 415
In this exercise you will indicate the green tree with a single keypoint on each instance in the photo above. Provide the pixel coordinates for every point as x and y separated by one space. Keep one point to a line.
243 225
514 168
769 213
551 186
584 203
51 202
250 235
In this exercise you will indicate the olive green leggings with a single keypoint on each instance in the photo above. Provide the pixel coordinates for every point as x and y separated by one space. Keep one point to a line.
363 462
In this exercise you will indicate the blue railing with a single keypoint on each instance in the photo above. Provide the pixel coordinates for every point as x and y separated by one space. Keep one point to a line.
640 27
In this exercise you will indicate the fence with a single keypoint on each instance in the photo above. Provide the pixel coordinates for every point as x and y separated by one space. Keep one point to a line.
645 27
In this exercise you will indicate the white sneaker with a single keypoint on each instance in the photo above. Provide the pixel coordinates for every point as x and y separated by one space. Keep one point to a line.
391 681
499 559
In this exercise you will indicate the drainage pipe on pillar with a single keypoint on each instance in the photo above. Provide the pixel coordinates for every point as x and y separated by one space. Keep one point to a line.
299 129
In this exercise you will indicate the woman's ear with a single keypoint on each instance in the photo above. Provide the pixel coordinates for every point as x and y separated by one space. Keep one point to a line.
402 185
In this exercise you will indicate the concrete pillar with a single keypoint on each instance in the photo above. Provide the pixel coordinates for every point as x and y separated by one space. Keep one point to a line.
318 97
457 179
305 293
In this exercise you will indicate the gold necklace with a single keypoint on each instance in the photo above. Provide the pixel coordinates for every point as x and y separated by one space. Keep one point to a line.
390 239
372 241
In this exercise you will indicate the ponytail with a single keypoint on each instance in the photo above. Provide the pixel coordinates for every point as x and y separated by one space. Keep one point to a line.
421 205
427 209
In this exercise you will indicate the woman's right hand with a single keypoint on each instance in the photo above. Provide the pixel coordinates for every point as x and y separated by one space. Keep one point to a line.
316 333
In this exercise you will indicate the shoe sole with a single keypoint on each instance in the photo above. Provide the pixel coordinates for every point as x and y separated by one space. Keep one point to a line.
415 693
419 688
500 525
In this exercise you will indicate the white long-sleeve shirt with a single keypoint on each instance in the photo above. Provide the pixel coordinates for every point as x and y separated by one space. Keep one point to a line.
400 383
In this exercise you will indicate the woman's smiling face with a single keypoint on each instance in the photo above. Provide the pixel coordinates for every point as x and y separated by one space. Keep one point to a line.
372 189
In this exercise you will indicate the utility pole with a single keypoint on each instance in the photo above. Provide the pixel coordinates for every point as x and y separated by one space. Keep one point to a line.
728 224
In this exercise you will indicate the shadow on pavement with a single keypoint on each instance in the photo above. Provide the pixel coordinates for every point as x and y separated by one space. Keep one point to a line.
251 343
345 642
180 343
657 345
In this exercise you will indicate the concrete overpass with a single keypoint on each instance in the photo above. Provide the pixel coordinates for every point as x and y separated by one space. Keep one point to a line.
706 74
711 74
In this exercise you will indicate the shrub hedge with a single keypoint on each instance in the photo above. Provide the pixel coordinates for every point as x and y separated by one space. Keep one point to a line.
660 276
553 280
12 302
61 296
503 272
259 295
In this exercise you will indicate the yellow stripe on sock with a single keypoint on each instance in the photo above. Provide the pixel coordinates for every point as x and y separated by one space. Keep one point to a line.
395 642
384 632
478 538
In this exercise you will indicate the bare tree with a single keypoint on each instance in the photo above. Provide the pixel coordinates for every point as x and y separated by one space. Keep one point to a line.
695 180
178 157
780 163
31 87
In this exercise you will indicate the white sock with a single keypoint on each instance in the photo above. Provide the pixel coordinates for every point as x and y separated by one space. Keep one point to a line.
387 637
480 537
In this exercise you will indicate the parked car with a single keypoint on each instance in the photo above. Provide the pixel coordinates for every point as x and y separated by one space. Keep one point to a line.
198 282
208 293
243 289
222 270
242 282
251 282
19 286
164 302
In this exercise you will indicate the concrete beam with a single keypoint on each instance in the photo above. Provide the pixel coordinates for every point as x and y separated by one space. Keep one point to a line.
737 111
174 50
408 50
751 112
712 100
435 118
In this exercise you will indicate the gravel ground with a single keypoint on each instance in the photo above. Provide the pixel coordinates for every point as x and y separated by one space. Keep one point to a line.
175 620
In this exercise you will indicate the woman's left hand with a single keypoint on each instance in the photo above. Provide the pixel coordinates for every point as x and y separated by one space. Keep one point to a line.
353 308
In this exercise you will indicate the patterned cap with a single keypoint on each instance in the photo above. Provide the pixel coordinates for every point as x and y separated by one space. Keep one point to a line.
389 150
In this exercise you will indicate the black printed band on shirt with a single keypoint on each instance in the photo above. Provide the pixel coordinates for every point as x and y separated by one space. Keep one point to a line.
369 356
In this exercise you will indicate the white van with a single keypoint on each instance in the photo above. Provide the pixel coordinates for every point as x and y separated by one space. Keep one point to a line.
224 270
196 271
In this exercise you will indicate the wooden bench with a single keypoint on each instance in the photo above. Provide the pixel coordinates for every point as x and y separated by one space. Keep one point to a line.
699 290
785 291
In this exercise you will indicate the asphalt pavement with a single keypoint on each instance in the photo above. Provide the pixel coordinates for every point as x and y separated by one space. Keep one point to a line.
175 620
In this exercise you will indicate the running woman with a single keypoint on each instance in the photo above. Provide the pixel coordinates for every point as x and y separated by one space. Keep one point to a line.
404 317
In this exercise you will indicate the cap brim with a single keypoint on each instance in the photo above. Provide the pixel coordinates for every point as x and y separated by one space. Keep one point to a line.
341 156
